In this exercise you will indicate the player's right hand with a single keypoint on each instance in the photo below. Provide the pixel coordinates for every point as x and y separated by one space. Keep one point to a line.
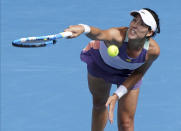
75 29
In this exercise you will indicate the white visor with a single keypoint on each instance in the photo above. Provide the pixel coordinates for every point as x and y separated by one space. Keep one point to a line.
147 18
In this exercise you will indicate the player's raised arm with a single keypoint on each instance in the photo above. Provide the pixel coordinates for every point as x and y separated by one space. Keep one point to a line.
95 33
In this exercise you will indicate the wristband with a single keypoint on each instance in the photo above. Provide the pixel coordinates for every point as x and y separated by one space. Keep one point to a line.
87 28
121 90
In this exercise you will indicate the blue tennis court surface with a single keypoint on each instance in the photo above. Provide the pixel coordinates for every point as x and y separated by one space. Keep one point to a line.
45 89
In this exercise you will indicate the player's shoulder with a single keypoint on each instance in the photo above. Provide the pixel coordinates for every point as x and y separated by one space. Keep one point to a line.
118 33
154 49
119 30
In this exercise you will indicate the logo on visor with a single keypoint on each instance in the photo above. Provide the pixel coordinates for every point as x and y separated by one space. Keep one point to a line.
142 12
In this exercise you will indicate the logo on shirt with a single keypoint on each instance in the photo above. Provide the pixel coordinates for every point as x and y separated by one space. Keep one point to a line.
128 60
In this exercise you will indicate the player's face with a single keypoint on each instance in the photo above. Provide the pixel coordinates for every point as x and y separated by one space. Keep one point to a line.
138 29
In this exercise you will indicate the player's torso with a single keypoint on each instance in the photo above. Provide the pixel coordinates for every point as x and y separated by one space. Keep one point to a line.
123 60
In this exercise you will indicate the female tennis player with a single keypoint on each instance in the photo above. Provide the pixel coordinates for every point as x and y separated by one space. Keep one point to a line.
137 52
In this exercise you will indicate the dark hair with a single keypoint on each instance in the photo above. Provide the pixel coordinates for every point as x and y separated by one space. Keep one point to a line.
157 21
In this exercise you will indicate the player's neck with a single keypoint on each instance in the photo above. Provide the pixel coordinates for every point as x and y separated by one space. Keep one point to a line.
136 45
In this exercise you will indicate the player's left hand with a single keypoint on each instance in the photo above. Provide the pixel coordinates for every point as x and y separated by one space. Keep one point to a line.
111 102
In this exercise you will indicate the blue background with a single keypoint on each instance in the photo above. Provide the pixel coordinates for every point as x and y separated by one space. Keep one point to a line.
45 89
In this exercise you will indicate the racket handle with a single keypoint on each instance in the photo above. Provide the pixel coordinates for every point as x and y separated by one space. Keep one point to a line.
66 34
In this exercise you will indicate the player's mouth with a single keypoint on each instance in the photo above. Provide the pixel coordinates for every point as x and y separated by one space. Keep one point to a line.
132 31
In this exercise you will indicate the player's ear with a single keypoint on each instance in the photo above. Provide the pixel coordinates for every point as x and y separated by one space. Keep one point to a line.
150 33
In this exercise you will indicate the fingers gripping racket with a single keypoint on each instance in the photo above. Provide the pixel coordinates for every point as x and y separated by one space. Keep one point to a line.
40 41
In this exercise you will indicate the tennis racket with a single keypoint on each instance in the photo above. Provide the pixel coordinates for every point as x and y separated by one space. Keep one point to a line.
40 41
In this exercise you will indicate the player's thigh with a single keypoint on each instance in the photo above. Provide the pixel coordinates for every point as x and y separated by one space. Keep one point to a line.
99 88
127 105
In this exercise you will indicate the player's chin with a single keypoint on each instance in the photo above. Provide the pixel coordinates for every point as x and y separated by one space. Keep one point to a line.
133 37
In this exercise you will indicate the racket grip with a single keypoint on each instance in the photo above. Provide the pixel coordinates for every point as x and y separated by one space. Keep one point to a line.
66 34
